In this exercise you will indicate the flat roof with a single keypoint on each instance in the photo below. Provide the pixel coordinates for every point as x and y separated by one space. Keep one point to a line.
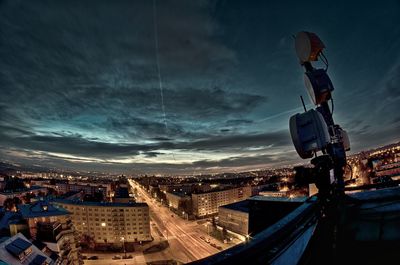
38 260
277 199
122 192
7 218
21 243
18 246
242 206
218 190
179 193
103 204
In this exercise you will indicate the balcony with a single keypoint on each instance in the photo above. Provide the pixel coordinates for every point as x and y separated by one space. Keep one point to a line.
63 233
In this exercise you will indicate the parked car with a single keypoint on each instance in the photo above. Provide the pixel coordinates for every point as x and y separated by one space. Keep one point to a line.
93 258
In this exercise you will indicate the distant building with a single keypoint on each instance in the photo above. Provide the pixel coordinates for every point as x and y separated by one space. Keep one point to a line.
183 188
110 223
34 190
390 169
122 195
207 203
275 193
87 188
178 200
19 250
255 190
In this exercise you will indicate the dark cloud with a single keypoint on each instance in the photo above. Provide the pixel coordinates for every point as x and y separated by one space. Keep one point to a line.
79 80
238 122
76 145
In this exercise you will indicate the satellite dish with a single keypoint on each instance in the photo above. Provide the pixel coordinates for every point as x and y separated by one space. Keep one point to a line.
308 46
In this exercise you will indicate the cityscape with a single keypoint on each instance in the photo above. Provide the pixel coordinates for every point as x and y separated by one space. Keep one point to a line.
178 132
142 219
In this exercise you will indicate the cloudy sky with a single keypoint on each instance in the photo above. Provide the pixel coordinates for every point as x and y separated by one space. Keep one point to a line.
80 89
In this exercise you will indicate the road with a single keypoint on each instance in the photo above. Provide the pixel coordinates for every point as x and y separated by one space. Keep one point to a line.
184 236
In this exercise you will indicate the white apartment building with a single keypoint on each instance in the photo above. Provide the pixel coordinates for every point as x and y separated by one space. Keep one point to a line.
207 203
110 223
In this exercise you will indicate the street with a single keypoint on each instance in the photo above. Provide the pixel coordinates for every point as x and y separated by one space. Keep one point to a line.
184 237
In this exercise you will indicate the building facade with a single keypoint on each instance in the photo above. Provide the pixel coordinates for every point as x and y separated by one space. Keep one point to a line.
184 188
52 226
110 223
235 217
207 203
87 188
177 200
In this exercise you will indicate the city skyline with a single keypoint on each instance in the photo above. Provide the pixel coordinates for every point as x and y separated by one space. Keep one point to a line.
80 83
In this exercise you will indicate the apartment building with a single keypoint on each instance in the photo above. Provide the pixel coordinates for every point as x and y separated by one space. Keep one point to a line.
235 217
34 190
87 188
52 226
110 223
177 200
207 203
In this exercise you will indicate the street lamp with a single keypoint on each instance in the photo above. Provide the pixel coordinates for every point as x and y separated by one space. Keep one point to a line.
206 224
123 244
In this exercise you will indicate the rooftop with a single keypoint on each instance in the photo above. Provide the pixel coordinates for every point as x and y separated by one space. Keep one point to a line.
242 206
41 209
104 204
7 218
18 246
179 193
278 199
38 260
11 248
122 193
217 189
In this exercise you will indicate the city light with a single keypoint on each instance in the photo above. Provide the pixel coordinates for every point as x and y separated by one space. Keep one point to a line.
162 130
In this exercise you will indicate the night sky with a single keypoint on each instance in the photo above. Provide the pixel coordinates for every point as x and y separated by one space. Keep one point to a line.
79 85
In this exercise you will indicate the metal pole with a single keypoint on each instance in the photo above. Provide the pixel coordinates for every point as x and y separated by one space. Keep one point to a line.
123 242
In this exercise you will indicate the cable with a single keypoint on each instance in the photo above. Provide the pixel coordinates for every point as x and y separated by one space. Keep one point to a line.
325 61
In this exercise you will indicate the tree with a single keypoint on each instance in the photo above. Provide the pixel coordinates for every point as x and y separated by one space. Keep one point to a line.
41 194
87 241
10 204
27 197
